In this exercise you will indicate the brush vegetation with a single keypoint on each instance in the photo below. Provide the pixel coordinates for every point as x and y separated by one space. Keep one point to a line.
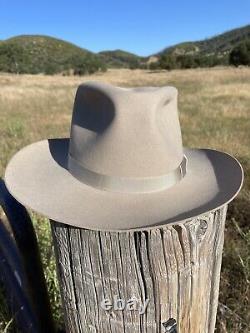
220 44
211 52
214 113
230 48
121 59
42 54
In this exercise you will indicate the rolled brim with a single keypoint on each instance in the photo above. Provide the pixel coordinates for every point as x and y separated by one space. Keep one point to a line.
37 176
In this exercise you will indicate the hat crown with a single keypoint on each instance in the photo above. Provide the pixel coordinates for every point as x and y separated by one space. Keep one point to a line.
126 132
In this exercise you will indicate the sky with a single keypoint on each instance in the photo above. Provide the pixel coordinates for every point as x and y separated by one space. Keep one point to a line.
142 27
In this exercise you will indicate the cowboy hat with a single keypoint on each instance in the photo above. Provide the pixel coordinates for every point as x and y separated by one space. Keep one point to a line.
124 166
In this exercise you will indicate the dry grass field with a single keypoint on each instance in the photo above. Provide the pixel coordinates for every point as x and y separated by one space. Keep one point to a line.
214 106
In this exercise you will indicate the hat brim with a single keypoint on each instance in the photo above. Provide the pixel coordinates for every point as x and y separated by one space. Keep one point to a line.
37 177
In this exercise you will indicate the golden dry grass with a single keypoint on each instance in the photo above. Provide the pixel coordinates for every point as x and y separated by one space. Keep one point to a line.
213 104
214 107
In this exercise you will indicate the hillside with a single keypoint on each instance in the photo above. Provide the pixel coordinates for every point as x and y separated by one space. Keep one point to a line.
120 58
218 45
44 54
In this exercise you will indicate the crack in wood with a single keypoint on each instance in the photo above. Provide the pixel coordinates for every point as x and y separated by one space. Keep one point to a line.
176 267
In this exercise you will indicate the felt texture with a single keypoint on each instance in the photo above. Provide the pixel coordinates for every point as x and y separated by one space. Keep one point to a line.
123 133
126 132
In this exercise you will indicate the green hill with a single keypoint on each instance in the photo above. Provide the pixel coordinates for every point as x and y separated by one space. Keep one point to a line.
43 54
120 58
209 52
214 50
219 45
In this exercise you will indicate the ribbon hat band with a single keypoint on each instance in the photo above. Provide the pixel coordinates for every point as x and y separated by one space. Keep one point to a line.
127 184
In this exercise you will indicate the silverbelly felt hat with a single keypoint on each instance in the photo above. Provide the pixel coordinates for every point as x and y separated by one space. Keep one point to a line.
124 166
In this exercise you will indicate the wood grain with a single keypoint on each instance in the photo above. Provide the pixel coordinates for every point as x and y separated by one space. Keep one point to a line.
176 267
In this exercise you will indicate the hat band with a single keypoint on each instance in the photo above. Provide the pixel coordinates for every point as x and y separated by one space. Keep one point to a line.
126 184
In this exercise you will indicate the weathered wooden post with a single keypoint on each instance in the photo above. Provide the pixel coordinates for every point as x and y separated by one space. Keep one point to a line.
176 267
137 220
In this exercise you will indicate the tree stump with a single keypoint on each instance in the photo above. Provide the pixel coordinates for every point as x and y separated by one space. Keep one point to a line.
176 267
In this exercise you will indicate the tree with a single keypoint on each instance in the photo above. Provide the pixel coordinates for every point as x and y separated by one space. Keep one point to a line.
186 61
240 55
154 65
50 68
167 61
12 58
134 64
87 64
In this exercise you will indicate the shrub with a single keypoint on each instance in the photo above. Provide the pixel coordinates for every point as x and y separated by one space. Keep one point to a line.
12 58
240 55
86 64
167 62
